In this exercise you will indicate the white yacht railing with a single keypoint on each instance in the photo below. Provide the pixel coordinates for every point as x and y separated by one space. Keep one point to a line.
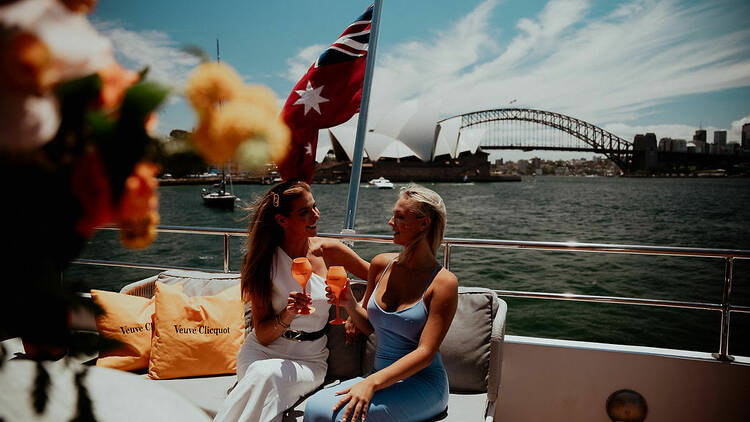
728 255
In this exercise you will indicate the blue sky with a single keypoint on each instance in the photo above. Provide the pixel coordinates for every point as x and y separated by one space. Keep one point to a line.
630 67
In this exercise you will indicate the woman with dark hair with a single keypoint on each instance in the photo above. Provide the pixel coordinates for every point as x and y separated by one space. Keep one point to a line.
284 356
410 302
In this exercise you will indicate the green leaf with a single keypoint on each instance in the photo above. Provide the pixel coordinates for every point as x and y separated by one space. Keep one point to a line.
197 52
81 89
75 97
140 100
99 124
143 73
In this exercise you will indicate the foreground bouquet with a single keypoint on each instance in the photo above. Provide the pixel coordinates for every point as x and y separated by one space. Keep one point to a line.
77 151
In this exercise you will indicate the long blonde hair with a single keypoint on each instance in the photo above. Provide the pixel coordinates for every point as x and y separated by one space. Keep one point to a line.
264 236
426 203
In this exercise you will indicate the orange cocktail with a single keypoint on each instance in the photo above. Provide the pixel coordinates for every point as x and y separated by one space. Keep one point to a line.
301 271
336 280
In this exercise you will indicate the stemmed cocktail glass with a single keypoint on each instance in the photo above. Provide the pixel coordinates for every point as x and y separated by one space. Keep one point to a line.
301 271
336 280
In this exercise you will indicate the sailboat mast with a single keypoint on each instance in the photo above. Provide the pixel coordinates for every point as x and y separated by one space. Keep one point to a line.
225 170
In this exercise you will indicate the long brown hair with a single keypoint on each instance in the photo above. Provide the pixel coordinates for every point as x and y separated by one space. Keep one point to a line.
264 236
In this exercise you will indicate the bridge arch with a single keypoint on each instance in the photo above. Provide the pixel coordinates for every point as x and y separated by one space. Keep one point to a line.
617 149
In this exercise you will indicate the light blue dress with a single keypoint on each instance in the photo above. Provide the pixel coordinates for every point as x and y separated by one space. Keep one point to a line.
420 397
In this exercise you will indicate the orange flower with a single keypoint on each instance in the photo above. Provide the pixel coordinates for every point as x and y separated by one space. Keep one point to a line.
89 184
28 66
115 81
80 6
140 233
211 84
235 120
152 121
138 214
279 139
213 150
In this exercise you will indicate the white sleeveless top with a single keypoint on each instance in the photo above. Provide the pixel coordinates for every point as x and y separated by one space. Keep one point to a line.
283 283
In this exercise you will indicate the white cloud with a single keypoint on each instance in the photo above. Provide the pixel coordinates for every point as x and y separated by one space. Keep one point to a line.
298 65
605 69
167 62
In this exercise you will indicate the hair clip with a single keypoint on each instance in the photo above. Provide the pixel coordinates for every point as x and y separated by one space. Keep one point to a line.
275 200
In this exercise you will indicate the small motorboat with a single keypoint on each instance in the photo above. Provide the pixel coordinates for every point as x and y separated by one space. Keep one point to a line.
219 198
381 183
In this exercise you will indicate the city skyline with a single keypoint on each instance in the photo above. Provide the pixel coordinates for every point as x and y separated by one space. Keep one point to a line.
667 67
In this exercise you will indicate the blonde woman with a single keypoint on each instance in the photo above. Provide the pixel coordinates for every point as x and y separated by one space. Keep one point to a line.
410 302
284 357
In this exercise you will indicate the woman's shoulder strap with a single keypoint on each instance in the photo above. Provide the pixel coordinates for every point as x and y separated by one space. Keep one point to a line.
435 272
388 265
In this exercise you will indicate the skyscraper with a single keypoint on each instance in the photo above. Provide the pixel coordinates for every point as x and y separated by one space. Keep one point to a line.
746 136
720 137
699 139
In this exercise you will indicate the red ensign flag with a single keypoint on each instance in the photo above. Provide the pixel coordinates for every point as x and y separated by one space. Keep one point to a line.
329 94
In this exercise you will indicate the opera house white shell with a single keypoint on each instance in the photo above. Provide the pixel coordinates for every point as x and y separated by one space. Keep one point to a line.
412 129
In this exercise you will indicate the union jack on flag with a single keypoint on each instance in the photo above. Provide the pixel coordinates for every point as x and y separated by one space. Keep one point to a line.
351 44
327 95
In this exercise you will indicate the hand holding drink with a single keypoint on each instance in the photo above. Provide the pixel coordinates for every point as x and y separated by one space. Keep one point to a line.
301 271
336 281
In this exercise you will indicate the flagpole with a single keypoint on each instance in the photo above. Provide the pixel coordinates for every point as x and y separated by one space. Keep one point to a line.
359 142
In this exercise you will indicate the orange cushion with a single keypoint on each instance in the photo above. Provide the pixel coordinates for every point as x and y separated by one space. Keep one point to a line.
195 336
126 319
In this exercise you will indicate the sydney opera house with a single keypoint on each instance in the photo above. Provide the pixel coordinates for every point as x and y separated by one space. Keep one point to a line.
408 144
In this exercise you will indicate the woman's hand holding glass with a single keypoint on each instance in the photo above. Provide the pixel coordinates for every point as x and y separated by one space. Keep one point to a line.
301 271
337 281
297 302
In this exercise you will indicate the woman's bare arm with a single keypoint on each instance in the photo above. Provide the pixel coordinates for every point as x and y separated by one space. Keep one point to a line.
268 326
337 253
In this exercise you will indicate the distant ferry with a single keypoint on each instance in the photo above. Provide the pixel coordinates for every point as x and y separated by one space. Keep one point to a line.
381 183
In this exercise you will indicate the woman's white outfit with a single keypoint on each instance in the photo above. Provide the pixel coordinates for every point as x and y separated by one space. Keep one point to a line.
272 378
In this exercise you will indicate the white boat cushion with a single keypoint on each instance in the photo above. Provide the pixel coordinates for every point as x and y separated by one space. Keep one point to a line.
199 283
208 393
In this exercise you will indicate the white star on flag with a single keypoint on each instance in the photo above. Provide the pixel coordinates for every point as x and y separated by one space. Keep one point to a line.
308 149
310 97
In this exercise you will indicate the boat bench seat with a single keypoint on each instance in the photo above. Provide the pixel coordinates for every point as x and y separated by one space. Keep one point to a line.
471 350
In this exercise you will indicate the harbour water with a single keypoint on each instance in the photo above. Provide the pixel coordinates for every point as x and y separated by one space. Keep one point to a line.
707 213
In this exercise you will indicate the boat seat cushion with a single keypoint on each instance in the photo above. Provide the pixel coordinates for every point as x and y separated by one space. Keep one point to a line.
193 336
208 393
194 283
466 348
345 360
199 283
127 320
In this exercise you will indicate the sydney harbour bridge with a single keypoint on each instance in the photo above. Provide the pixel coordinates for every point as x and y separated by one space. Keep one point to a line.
529 129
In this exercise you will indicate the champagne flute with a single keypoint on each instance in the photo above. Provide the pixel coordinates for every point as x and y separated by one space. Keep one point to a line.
336 280
301 271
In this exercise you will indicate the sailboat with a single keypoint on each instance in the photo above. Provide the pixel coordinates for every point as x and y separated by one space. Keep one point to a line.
219 198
